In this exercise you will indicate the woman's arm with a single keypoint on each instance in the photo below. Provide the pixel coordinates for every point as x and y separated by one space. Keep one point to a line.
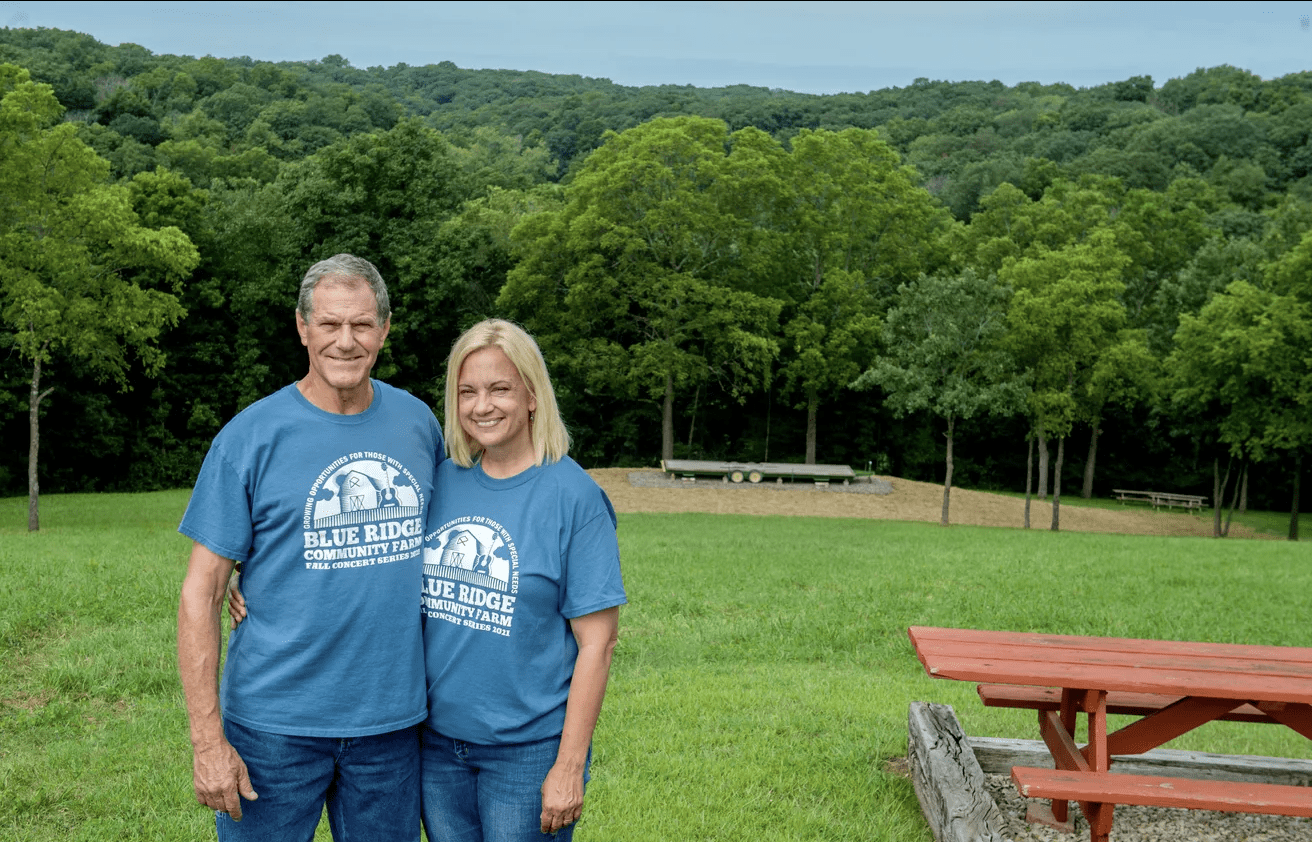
236 602
562 791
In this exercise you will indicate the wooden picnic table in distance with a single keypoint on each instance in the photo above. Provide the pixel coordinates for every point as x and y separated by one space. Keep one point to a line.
1157 499
1175 687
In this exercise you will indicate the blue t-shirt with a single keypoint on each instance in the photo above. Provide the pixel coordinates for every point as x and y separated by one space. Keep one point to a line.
506 563
326 512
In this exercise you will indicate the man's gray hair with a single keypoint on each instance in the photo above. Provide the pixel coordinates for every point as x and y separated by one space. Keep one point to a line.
344 266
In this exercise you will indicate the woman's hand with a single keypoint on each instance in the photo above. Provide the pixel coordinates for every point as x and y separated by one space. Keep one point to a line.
236 603
562 791
562 798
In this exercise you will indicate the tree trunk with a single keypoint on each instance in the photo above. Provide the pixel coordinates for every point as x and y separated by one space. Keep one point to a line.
1293 506
947 477
812 409
667 419
1218 490
1234 498
1243 492
1029 476
1043 465
34 398
1087 491
1056 485
692 420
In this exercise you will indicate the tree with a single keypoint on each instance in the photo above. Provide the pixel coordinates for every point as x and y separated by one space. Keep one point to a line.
1106 235
1065 315
76 264
637 285
475 252
1125 371
1240 371
855 225
943 354
1214 266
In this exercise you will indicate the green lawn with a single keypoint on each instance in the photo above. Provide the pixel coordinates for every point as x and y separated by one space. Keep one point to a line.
760 685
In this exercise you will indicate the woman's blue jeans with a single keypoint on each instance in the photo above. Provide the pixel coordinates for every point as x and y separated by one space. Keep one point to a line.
477 793
369 784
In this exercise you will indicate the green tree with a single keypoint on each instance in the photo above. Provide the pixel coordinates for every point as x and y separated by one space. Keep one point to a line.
1240 372
637 284
1065 315
1215 265
1125 372
943 353
855 226
76 264
475 251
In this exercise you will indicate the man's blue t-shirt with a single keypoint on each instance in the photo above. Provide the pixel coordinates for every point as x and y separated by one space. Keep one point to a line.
506 562
326 512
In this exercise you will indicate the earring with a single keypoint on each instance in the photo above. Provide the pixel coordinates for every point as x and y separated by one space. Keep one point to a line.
530 418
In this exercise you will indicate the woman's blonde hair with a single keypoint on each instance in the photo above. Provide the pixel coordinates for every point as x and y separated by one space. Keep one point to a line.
547 429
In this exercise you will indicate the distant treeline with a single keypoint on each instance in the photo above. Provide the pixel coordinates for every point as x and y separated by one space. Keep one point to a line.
736 272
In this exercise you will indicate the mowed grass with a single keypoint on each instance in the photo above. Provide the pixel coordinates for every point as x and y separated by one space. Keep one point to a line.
759 690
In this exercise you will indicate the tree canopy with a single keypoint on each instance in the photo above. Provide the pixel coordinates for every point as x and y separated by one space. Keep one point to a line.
708 269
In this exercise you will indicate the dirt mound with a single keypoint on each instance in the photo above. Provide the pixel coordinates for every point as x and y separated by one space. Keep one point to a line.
909 500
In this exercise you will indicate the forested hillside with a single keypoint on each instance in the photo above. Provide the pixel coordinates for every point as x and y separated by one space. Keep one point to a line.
1117 276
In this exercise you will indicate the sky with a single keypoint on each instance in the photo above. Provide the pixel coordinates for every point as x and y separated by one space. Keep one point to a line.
816 47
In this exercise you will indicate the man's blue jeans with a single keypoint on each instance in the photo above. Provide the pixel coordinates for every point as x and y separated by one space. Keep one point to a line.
370 785
476 793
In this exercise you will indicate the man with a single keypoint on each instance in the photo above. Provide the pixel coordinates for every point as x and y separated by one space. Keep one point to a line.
319 494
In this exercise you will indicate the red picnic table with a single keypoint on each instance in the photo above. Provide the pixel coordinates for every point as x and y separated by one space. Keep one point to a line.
1174 686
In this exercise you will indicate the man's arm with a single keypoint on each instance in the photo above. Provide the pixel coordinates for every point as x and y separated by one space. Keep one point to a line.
218 773
562 791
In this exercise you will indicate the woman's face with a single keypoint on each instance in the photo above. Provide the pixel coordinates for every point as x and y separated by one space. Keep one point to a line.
494 409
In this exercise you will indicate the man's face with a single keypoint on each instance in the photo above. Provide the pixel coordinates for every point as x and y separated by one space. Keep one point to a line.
342 336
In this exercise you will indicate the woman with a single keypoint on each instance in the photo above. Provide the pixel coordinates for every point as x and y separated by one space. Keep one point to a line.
521 596
521 601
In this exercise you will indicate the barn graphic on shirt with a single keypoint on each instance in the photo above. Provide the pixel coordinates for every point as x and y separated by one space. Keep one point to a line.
472 553
362 491
358 492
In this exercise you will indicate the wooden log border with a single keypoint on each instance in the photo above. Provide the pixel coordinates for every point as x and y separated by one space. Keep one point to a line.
948 780
948 769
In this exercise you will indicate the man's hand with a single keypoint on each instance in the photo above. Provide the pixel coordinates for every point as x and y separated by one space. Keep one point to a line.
219 777
218 773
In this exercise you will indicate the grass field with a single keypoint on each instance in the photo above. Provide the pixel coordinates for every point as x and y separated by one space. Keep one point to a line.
760 686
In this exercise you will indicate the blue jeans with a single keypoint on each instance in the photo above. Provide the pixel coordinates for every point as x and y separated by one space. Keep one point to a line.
370 784
475 793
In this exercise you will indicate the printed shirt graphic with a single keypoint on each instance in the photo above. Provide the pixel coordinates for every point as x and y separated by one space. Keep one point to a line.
358 514
471 577
505 563
327 513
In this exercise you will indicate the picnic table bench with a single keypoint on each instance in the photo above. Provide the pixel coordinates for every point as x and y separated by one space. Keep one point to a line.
756 471
1160 498
1174 686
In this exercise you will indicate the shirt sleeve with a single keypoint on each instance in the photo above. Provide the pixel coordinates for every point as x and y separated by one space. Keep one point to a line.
591 570
218 514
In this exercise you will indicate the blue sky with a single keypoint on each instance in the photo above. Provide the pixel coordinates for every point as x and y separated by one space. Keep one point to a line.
816 47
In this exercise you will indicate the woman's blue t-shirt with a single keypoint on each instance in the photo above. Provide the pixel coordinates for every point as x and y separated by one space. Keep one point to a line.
507 562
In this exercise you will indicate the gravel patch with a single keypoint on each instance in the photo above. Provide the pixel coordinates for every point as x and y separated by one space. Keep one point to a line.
1148 824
